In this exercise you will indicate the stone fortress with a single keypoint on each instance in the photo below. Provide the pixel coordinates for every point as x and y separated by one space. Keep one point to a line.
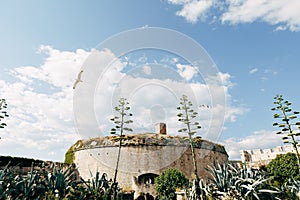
261 157
143 157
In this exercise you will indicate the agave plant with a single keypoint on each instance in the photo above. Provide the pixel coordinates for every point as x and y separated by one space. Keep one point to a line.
205 191
251 184
221 177
3 112
254 189
294 187
187 117
289 129
229 182
121 121
17 186
98 187
59 181
5 178
26 187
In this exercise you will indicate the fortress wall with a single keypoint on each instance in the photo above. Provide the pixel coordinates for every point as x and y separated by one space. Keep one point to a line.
204 158
134 160
142 159
264 156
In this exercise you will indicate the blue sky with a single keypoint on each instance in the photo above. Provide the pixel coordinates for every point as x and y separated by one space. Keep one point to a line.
45 43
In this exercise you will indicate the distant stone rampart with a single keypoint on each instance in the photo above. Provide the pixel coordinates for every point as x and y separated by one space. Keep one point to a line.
257 157
24 165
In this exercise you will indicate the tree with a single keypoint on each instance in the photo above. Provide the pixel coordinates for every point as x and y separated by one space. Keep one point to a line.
289 129
168 181
3 112
284 167
187 116
120 121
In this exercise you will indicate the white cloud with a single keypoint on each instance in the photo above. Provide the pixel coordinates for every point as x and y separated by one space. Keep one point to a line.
253 71
179 2
267 139
225 78
186 71
194 9
146 94
283 14
281 28
270 71
41 122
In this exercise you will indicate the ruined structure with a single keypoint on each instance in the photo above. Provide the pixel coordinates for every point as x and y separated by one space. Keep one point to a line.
261 157
144 157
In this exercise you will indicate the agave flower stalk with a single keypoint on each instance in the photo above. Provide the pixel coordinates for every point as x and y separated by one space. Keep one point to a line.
187 116
289 129
3 112
121 121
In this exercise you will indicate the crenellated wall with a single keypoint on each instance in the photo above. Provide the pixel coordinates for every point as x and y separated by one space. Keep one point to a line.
264 156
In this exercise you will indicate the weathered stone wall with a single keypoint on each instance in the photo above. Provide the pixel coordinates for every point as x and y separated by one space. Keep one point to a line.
25 165
258 157
147 158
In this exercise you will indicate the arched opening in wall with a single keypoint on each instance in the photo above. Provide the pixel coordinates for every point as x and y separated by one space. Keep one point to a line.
147 178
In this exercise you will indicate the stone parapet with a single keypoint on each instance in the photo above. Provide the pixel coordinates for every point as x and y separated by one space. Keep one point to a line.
257 157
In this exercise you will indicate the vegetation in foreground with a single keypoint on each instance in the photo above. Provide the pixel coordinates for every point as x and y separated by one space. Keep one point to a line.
280 181
122 110
226 182
289 128
3 113
60 183
229 183
167 183
187 116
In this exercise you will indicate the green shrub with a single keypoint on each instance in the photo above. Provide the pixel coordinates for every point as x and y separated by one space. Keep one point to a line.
167 183
283 168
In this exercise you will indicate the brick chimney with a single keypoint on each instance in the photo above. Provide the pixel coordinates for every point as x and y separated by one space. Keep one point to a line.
161 128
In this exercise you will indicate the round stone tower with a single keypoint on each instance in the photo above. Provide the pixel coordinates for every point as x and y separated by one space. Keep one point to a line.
143 157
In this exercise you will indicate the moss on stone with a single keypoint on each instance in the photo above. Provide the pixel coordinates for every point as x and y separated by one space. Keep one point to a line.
142 139
197 139
70 154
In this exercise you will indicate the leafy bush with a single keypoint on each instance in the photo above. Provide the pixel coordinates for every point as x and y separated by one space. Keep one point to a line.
283 168
167 183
